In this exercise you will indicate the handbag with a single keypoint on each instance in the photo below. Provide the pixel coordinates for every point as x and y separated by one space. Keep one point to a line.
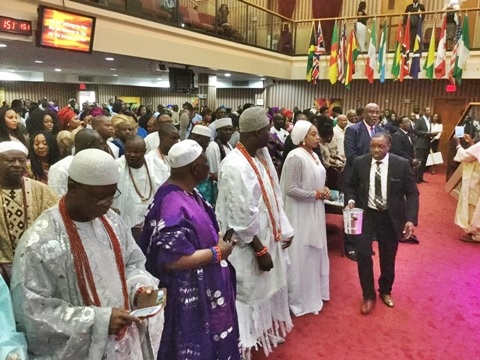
434 158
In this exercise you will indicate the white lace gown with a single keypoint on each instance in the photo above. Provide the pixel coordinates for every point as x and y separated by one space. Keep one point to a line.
309 270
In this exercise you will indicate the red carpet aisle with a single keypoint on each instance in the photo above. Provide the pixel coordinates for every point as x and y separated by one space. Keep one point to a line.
436 292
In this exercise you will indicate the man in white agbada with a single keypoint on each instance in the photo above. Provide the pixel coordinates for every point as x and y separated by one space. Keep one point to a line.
138 184
303 192
159 156
467 215
219 148
78 273
249 201
58 173
153 140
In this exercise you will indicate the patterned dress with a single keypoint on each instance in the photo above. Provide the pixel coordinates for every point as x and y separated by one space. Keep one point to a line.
200 316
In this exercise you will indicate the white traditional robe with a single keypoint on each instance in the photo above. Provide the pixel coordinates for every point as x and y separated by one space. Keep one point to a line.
339 140
262 298
214 156
114 148
49 307
301 177
131 207
161 166
152 141
58 175
467 215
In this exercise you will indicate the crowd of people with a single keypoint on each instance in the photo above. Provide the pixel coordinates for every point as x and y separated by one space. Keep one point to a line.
216 217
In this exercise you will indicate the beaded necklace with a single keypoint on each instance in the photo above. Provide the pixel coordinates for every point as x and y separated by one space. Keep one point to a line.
82 265
25 215
277 232
135 184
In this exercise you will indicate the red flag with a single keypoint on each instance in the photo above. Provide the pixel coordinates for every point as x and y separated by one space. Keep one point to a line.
404 68
441 51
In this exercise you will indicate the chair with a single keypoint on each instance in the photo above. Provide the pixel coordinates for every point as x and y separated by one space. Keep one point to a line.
150 9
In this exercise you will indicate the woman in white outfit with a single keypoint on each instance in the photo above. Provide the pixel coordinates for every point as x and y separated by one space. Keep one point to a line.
303 192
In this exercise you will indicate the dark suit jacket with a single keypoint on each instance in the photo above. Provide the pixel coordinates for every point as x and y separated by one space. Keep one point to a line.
402 191
402 146
413 17
421 130
356 143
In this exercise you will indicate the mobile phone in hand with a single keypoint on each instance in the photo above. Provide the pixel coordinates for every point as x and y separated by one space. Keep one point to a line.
227 237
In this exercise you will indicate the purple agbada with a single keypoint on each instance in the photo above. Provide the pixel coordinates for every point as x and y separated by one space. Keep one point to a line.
200 316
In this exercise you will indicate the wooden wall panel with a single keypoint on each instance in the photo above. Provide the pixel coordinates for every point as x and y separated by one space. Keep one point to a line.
235 97
392 95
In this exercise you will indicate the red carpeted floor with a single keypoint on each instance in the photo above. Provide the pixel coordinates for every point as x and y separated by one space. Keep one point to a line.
436 292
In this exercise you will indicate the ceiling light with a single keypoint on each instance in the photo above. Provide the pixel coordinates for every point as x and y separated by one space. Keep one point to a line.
228 75
115 75
58 70
109 58
3 45
262 78
38 62
12 70
113 69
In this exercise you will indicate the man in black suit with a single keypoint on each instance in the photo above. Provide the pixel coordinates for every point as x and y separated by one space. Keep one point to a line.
403 144
357 143
423 131
413 8
383 186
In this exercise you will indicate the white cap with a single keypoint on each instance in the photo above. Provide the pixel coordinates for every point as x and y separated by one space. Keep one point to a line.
202 130
13 145
94 167
183 153
253 119
219 123
300 131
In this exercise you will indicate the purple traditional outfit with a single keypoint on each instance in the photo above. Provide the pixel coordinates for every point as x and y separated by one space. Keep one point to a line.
200 316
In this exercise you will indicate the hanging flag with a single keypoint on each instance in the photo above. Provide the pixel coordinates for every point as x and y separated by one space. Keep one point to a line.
398 53
441 50
311 52
333 66
382 53
372 54
319 50
453 59
342 50
463 52
351 57
404 68
417 50
430 61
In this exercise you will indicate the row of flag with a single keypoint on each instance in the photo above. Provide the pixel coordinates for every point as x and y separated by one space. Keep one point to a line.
406 62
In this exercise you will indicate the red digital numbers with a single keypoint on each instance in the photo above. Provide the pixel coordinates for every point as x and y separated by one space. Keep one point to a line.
15 26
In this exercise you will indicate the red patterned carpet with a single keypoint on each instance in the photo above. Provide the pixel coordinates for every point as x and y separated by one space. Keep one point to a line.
436 292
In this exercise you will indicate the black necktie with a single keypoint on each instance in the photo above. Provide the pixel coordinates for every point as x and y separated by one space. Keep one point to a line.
378 188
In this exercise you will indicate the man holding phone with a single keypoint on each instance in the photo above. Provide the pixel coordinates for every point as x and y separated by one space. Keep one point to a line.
185 250
78 273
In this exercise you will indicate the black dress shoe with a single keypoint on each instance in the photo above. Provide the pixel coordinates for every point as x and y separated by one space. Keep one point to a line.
351 254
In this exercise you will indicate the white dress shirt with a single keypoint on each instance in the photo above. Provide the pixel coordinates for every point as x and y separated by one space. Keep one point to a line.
339 139
371 189
281 134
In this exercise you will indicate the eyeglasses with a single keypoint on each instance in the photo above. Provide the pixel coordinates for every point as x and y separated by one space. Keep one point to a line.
102 202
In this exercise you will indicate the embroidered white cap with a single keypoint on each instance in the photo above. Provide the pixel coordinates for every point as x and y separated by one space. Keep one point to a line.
184 153
219 123
13 145
300 131
253 119
94 167
202 130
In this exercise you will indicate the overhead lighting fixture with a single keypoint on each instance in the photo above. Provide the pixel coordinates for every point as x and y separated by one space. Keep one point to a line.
109 58
3 45
262 78
58 70
228 75
38 62
115 75
113 69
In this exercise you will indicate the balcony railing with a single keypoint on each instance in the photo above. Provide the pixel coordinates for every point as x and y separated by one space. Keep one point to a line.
244 22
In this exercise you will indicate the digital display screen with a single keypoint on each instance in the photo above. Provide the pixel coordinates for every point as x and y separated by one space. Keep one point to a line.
15 26
58 29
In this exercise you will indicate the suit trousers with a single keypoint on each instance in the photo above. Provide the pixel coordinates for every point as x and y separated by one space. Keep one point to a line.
422 155
378 225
